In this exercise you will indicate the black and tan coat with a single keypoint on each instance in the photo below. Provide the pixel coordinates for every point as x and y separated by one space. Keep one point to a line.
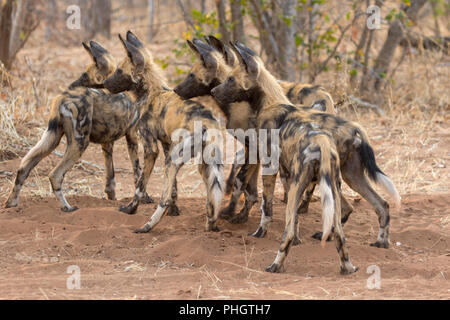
85 115
251 82
163 112
215 62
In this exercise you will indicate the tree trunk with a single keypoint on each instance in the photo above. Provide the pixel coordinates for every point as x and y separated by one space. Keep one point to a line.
5 32
395 35
289 50
238 21
99 19
221 14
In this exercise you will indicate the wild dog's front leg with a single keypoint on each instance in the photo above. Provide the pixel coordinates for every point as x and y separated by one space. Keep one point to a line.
110 186
170 171
266 206
133 147
150 155
240 184
251 197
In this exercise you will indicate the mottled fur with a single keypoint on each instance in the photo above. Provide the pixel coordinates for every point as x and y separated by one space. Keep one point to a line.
162 113
216 60
251 82
85 115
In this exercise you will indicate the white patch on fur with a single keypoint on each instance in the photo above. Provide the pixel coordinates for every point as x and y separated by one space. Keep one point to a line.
310 156
327 201
389 186
42 146
156 217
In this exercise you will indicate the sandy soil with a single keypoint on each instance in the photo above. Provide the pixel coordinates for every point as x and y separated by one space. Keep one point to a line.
178 260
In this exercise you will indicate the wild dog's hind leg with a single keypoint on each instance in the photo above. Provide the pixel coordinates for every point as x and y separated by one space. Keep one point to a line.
266 206
346 210
237 165
354 176
296 191
240 184
75 148
173 210
49 141
307 199
150 155
170 171
251 197
133 147
110 187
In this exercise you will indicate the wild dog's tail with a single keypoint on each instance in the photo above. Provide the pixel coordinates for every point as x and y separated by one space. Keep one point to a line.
212 157
367 156
326 183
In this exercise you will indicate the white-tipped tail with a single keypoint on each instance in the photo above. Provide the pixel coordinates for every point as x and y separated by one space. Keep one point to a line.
327 201
389 187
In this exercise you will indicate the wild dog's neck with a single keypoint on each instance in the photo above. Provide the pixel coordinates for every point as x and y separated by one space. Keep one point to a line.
270 91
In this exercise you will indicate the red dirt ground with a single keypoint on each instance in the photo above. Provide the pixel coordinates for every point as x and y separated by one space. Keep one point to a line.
178 260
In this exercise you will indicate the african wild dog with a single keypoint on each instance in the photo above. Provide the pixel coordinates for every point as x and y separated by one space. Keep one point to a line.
163 113
216 60
251 82
85 115
307 155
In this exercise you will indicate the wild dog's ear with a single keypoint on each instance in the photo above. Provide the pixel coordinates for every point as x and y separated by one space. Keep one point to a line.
193 47
247 59
88 49
134 40
215 43
205 53
134 54
98 54
229 56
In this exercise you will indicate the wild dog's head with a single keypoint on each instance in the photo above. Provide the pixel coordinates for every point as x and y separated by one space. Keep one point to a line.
249 81
137 71
102 67
208 72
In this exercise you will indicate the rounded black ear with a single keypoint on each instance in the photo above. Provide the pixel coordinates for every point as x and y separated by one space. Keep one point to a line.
98 53
247 59
229 56
215 43
193 47
246 49
134 40
205 51
135 55
87 48
96 48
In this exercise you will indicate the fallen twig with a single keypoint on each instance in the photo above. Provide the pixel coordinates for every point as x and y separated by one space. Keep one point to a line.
366 104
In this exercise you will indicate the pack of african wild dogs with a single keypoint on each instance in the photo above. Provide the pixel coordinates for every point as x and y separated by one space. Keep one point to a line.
132 99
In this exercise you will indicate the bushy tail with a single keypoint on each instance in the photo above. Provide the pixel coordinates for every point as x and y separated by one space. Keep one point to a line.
325 186
212 156
367 156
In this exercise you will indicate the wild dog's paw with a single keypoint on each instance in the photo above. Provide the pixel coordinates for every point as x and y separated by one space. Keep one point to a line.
380 244
11 203
240 218
226 213
130 209
145 229
296 241
69 209
348 270
146 199
275 268
173 211
260 233
318 236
